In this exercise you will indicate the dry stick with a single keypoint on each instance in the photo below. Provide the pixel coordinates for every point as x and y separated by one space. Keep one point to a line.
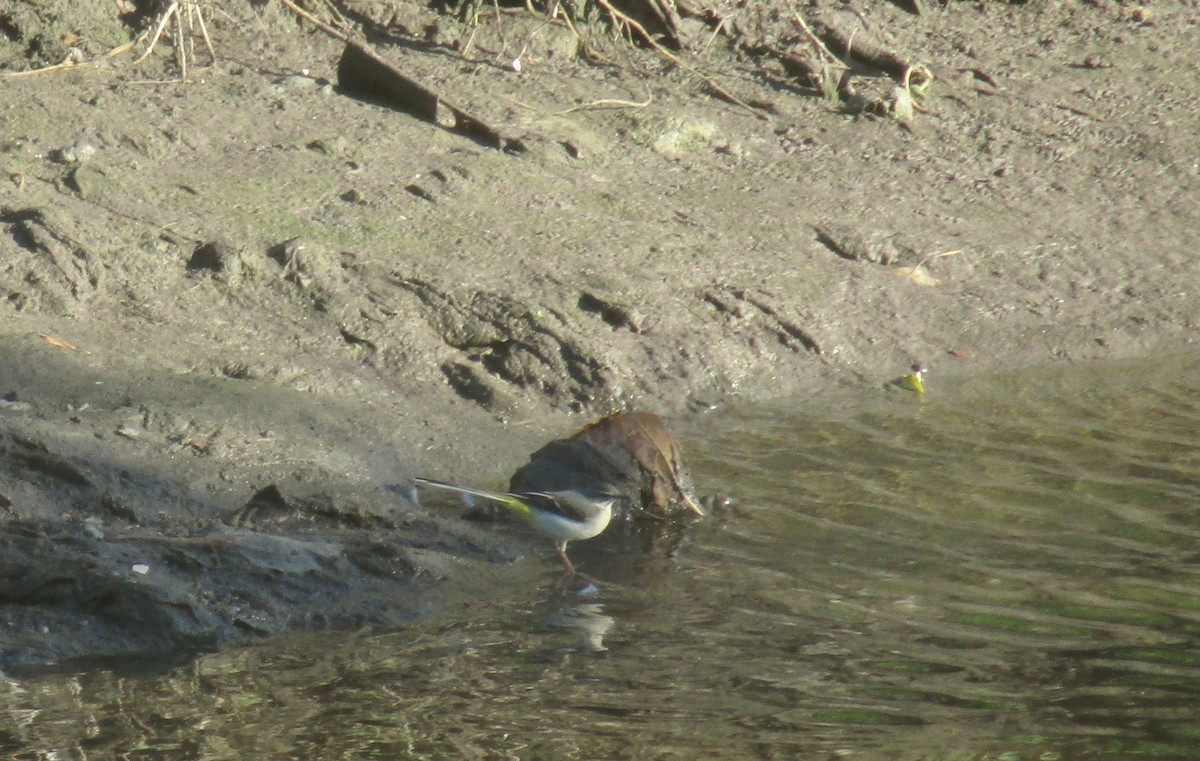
814 39
632 24
587 49
180 51
499 24
204 32
67 64
606 103
45 69
336 15
1080 111
866 24
59 343
822 81
718 29
516 62
318 23
669 17
195 16
162 24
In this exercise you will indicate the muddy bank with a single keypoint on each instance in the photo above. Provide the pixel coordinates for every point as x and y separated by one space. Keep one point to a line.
272 289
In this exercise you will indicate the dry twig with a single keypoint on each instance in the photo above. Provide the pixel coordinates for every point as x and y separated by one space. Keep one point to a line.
70 63
318 23
178 11
606 103
633 25
58 342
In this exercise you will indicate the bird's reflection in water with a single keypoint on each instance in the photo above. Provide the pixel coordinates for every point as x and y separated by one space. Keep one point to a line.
587 621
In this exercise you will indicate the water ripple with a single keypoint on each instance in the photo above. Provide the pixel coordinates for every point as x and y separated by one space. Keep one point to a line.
1008 570
1037 535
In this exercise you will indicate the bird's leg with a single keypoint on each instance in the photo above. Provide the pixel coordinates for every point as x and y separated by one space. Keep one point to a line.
566 561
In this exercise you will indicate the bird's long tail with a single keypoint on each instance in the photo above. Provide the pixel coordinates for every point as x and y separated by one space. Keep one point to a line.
509 501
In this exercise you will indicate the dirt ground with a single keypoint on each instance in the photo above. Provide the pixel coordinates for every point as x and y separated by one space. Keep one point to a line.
239 310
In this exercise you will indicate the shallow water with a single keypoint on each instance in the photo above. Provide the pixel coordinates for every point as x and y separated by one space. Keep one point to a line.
1007 570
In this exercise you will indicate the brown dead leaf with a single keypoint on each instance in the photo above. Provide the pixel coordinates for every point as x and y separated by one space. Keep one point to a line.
660 453
631 450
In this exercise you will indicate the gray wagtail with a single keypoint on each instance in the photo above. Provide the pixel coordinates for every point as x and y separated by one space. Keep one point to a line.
564 516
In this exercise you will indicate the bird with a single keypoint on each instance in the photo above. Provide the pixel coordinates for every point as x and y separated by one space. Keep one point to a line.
564 516
914 381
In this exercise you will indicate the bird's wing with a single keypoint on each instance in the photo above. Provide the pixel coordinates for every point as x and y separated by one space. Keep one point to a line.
553 503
